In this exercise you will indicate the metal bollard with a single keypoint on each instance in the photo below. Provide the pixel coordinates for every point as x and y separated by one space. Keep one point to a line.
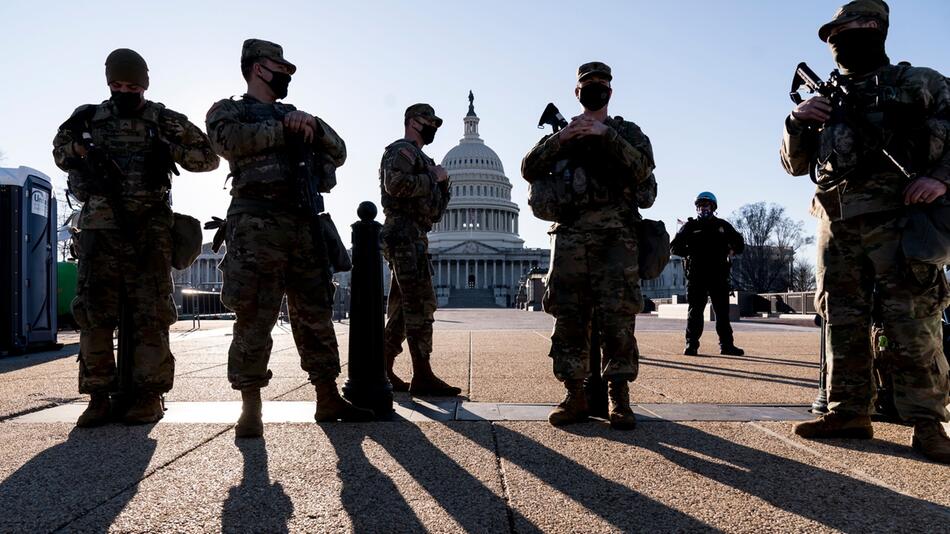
367 385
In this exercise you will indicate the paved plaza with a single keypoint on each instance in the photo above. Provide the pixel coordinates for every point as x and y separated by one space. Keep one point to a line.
713 451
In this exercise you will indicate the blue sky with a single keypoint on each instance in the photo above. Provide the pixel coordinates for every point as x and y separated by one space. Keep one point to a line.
707 81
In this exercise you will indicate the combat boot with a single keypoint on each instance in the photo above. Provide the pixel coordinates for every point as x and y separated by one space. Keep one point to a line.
250 424
836 425
691 350
397 383
97 413
930 439
332 407
146 409
621 415
573 409
731 350
425 383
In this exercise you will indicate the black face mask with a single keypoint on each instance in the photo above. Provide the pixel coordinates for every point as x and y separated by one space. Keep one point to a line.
859 50
126 103
427 133
594 96
278 83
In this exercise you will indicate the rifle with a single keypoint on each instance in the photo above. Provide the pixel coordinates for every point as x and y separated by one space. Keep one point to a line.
314 174
838 92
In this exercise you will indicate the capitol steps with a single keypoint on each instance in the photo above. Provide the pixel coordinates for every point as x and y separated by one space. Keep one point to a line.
471 298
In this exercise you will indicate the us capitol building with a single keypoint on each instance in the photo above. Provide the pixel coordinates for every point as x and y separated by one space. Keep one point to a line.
477 256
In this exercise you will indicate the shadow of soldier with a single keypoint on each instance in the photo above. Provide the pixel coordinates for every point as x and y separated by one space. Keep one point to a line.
835 500
72 480
625 509
256 505
373 501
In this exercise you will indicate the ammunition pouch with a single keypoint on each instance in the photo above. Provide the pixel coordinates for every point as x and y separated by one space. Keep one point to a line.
653 244
336 251
551 197
926 234
186 240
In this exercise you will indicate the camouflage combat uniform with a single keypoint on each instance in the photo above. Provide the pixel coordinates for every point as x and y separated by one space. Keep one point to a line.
859 233
125 254
413 201
594 264
270 244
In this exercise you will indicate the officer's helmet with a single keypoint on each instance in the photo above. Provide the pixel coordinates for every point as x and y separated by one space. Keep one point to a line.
706 195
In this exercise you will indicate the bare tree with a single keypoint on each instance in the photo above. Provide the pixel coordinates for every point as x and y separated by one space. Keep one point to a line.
772 239
803 276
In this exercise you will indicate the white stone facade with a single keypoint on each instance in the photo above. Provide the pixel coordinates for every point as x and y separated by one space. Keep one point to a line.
476 245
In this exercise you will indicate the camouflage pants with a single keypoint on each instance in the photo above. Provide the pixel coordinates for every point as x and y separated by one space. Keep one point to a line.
113 274
412 301
268 256
855 257
594 273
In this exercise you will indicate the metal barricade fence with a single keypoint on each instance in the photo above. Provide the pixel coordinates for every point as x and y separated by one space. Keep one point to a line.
197 304
791 302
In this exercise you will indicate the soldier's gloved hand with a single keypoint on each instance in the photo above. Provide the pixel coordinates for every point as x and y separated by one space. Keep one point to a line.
815 109
296 121
924 190
221 225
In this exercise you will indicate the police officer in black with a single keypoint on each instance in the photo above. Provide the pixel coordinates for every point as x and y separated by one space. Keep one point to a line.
707 243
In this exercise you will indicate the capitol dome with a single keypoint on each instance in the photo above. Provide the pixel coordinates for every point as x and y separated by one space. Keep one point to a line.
481 209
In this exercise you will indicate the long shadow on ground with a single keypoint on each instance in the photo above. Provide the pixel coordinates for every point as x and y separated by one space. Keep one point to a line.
375 504
256 505
832 499
71 479
625 509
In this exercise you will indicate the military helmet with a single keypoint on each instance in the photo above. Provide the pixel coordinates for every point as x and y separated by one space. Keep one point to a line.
856 10
706 195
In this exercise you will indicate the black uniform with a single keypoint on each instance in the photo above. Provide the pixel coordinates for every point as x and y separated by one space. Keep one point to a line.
705 244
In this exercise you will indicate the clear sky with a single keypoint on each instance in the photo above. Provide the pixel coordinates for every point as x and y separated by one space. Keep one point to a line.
707 81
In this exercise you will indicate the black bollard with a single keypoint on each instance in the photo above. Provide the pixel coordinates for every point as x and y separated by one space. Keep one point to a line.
367 385
594 385
820 405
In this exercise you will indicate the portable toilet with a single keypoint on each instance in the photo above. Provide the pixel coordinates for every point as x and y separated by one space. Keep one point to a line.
27 261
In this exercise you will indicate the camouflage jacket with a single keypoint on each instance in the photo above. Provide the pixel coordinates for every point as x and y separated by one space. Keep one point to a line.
250 135
142 147
618 174
905 110
407 189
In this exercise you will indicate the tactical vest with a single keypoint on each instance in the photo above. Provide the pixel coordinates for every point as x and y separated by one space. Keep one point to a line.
266 174
133 143
583 180
425 210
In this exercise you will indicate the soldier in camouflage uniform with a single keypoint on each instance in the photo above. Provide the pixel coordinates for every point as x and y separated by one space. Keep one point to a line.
415 193
860 201
118 155
272 246
594 265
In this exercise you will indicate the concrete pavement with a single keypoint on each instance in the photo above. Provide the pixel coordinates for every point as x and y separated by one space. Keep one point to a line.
700 460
